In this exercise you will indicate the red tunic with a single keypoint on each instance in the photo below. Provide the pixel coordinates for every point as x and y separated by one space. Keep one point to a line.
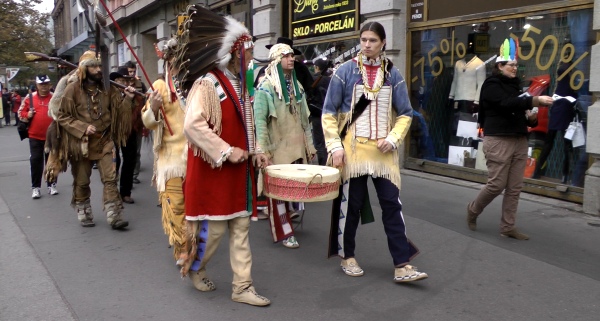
228 191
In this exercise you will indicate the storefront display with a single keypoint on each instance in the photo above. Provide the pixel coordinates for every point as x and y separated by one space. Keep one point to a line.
448 65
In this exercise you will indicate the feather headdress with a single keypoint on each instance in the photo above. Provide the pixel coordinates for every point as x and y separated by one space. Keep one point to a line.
207 41
509 50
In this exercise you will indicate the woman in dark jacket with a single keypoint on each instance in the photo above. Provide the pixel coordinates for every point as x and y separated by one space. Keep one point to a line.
504 118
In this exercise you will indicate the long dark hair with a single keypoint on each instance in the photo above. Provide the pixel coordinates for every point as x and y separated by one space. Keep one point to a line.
377 28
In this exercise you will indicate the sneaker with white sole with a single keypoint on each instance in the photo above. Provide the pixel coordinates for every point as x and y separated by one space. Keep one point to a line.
52 190
294 215
408 273
291 243
351 267
35 194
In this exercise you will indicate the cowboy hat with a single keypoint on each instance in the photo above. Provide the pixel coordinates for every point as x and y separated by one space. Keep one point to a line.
288 42
122 72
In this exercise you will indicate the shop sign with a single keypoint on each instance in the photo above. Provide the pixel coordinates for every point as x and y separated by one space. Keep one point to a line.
313 18
481 43
417 10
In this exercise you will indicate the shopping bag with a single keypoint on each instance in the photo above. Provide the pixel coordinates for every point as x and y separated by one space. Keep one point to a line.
530 167
575 132
480 158
467 126
458 148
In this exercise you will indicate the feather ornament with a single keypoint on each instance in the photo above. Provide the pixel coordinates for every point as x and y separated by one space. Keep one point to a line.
205 43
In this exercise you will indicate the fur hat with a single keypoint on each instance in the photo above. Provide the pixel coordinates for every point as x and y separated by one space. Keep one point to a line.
88 59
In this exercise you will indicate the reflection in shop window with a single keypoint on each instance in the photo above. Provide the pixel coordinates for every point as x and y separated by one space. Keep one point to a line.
448 66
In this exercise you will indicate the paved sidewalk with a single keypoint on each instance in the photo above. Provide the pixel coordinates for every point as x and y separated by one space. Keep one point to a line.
27 291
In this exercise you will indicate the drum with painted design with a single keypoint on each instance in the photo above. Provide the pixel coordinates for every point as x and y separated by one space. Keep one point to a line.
301 183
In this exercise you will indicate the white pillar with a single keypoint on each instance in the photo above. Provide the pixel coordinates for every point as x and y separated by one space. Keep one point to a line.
591 192
266 25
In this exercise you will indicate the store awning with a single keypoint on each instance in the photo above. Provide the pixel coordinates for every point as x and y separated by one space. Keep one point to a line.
77 46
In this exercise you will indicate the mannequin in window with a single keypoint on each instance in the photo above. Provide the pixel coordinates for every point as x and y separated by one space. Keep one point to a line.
469 75
562 113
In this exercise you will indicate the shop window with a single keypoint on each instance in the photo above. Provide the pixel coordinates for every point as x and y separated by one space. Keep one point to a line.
449 64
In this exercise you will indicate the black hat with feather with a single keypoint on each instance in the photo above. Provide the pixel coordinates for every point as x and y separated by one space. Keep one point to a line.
207 41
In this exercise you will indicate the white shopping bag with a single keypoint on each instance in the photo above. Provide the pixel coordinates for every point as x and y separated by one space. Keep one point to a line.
480 159
579 136
457 148
576 133
467 126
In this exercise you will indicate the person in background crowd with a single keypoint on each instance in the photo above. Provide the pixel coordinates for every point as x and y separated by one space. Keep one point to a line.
92 118
139 85
129 150
16 104
6 106
503 115
319 90
366 116
283 131
39 121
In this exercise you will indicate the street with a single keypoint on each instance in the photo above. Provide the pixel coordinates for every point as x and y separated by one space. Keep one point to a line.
51 268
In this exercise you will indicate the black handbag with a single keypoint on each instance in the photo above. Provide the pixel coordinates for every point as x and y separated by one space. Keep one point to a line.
23 127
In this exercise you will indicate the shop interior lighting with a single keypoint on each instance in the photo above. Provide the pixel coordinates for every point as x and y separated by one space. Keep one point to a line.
534 17
526 26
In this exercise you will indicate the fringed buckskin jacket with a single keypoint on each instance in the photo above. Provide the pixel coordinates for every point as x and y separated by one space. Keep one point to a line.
387 117
113 124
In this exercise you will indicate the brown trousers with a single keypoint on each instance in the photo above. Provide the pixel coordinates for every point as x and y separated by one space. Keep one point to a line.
506 160
239 250
82 170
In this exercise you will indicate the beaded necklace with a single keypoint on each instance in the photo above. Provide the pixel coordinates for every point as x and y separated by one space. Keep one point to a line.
371 91
91 95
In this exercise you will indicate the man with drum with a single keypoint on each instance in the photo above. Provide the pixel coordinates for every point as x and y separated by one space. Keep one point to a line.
283 131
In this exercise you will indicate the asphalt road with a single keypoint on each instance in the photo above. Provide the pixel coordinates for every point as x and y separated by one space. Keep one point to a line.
53 269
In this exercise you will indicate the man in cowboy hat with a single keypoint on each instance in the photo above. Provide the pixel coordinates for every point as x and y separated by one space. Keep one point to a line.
129 150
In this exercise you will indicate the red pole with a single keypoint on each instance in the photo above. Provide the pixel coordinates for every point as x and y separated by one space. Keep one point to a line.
136 59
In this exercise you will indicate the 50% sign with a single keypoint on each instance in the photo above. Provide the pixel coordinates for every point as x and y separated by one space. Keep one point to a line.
566 56
567 53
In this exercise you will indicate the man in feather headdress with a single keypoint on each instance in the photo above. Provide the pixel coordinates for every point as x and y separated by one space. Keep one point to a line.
219 189
91 117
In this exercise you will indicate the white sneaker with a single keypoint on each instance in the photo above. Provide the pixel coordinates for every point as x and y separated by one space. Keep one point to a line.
52 190
35 194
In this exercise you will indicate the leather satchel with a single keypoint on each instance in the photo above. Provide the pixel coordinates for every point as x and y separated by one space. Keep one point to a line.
23 127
